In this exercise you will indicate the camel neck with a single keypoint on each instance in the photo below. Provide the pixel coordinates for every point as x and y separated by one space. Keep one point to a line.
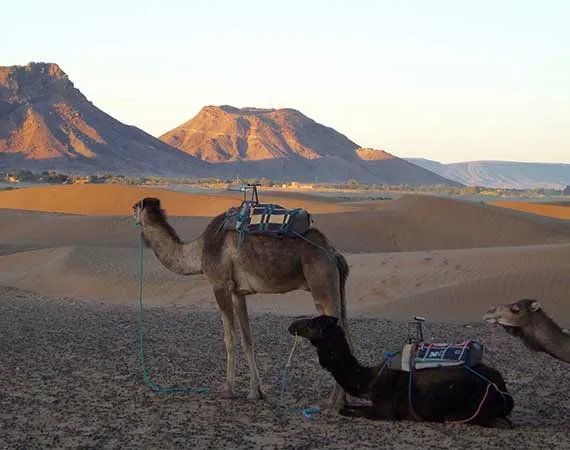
544 335
558 345
336 357
181 258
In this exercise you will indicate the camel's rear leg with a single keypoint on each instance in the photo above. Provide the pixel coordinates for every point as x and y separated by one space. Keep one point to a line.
325 289
224 300
255 391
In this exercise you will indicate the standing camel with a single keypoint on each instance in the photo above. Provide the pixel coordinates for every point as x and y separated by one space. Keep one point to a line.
255 264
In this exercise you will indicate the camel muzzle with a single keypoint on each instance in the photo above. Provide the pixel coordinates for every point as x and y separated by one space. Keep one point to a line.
491 315
298 326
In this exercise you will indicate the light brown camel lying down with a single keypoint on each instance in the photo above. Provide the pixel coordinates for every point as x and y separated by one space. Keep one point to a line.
442 394
527 320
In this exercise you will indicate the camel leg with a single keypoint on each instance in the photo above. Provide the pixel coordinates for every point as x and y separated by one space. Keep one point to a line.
324 286
255 392
338 396
224 300
372 412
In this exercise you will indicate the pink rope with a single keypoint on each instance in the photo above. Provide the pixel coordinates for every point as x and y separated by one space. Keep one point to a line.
478 408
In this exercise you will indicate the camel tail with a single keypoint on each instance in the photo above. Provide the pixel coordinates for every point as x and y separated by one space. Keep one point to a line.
343 271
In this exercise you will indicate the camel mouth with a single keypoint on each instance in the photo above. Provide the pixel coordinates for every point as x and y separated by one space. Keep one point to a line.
295 327
491 318
495 319
301 327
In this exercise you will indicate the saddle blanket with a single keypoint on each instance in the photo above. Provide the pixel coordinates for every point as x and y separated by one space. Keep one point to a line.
427 355
270 219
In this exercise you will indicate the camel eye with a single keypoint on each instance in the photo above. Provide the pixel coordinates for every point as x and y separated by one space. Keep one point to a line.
515 309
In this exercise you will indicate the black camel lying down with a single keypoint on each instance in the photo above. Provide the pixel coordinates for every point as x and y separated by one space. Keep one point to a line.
443 394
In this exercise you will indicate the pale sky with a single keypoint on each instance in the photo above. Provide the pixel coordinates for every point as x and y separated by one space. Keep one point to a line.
445 80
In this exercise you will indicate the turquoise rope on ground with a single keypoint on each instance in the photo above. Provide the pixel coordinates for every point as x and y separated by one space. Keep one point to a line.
153 387
307 412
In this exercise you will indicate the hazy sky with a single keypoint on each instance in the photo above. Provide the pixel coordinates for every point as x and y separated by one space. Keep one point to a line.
445 80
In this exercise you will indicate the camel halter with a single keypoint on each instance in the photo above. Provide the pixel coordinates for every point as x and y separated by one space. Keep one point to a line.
307 412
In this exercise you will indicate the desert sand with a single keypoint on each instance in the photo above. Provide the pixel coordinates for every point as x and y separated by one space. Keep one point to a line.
69 261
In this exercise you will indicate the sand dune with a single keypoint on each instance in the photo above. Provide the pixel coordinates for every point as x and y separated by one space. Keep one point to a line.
559 210
450 285
409 223
416 254
69 322
416 222
108 199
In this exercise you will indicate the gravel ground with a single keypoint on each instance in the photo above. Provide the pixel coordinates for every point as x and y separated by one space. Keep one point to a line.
70 377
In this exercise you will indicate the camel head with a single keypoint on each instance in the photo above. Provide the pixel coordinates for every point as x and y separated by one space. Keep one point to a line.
147 210
513 316
316 329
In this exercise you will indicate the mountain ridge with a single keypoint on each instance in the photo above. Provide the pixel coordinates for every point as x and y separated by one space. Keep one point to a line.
501 174
46 122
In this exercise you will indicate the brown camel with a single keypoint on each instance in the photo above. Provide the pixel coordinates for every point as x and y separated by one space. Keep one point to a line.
255 264
527 320
440 394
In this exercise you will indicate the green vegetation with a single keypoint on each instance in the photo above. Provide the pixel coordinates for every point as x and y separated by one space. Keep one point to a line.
53 177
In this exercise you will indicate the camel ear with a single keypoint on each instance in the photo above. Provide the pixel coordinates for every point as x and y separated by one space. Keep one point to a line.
325 321
151 202
535 306
333 320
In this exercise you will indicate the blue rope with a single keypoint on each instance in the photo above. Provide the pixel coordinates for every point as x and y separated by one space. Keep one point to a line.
307 412
327 252
148 381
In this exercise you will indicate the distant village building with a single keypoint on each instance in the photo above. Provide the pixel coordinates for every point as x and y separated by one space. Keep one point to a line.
566 191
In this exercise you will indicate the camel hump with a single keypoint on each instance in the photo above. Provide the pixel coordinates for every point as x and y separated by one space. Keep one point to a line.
268 219
427 355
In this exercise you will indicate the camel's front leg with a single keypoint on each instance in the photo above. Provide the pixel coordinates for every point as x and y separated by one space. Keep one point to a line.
255 391
224 299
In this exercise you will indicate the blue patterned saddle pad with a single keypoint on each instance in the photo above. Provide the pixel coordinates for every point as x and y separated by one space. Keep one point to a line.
270 219
425 355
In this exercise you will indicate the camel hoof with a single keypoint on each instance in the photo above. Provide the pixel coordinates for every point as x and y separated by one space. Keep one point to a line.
226 392
256 395
336 404
228 395
337 400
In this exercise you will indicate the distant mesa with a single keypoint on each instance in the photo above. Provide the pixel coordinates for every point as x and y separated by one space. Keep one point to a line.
285 144
502 174
225 134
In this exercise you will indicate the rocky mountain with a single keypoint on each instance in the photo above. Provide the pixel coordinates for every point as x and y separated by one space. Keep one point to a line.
284 144
47 123
501 174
